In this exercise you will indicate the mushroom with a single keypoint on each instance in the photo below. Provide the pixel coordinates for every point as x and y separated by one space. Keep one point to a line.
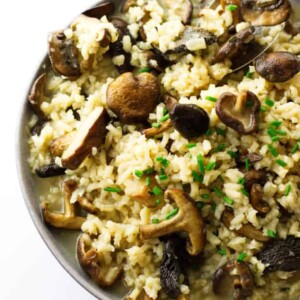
103 275
265 13
277 66
133 98
60 144
90 134
157 60
169 101
99 10
64 55
50 170
240 112
246 230
150 132
187 219
67 220
242 280
253 157
127 4
37 128
184 9
36 96
86 204
255 176
281 255
190 120
256 199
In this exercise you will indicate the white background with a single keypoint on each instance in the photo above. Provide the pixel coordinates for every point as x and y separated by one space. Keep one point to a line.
27 268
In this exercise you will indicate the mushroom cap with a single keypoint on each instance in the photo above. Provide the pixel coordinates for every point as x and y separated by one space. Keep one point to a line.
256 199
100 9
265 14
133 98
277 66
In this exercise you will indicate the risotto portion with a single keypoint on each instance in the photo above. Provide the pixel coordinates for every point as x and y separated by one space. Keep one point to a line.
173 151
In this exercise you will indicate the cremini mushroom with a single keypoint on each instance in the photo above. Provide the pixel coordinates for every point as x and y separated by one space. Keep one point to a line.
99 10
68 219
277 66
50 170
86 204
90 134
60 144
169 101
183 8
102 274
255 177
246 230
265 13
132 98
64 55
36 96
241 276
156 59
256 199
188 219
252 157
239 112
164 126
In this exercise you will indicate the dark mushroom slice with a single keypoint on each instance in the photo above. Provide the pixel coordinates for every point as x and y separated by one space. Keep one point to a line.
246 230
64 55
150 132
36 96
133 98
281 255
60 144
265 13
90 134
67 220
184 10
169 101
240 112
157 60
102 275
187 219
256 199
87 205
255 177
253 157
190 120
242 280
277 66
50 170
99 10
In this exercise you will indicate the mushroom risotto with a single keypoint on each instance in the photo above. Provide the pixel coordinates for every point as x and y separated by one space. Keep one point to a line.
173 143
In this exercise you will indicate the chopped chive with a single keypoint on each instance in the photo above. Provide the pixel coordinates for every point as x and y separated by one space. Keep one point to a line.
269 102
157 201
222 252
191 145
220 131
218 191
272 132
138 173
241 257
232 154
219 148
295 149
162 171
247 164
197 177
172 213
165 111
228 200
148 181
231 7
273 151
155 125
209 132
287 190
155 221
244 192
112 190
281 163
205 196
271 233
263 109
210 98
213 207
275 138
163 161
276 123
199 204
281 132
241 181
156 191
163 177
249 74
148 171
200 164
165 118
144 70
211 165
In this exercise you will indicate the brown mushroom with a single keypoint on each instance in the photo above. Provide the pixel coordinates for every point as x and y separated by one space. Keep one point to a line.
150 132
246 230
277 66
64 55
90 134
252 157
67 220
169 101
242 280
184 9
157 60
240 113
265 13
255 176
256 199
187 219
86 204
60 144
36 96
103 275
101 9
50 170
133 98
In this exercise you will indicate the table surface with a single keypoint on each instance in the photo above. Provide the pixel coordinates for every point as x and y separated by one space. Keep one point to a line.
28 269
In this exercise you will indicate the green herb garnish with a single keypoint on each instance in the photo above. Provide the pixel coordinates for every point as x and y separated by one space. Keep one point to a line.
165 118
231 7
271 233
191 145
273 151
172 213
281 163
287 190
156 191
210 98
112 190
241 257
269 102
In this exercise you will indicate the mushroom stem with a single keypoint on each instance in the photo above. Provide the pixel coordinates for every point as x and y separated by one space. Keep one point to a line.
240 101
149 132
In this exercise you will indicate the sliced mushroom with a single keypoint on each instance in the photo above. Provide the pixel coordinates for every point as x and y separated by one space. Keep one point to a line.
36 96
242 280
277 66
86 204
188 219
157 60
256 199
246 230
150 132
169 101
101 9
265 13
184 9
133 98
50 170
67 220
64 55
103 275
281 255
240 113
255 176
60 144
90 135
251 156
190 120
